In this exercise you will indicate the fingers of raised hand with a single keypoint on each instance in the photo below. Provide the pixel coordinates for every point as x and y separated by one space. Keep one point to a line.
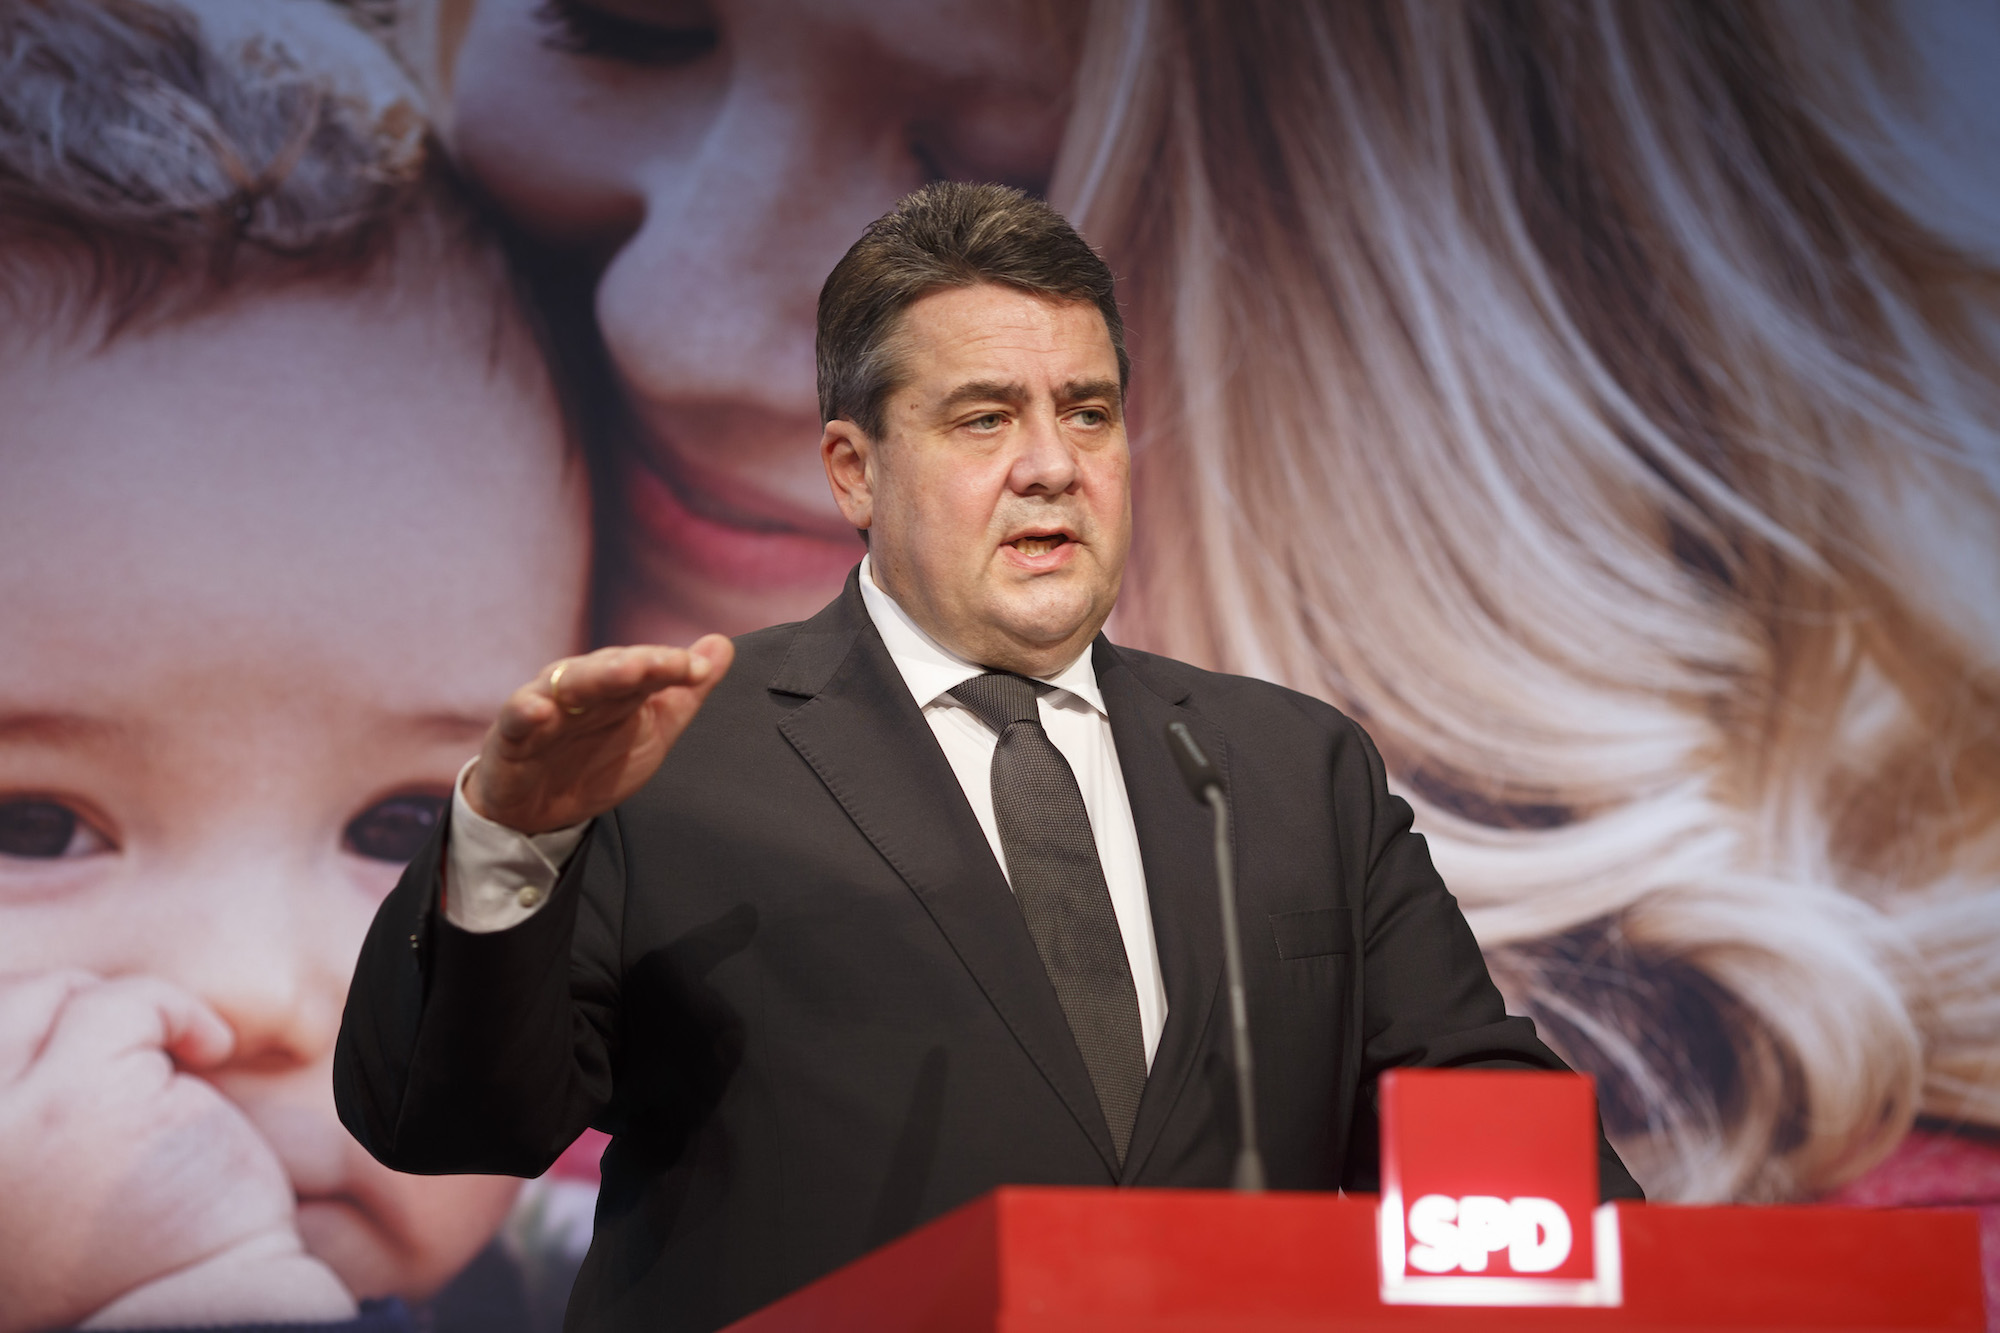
718 651
610 677
601 688
677 704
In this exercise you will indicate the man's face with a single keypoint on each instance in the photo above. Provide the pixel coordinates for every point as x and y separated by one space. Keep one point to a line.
998 499
264 578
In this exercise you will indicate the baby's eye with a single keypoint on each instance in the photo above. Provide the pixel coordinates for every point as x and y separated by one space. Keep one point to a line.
394 829
37 829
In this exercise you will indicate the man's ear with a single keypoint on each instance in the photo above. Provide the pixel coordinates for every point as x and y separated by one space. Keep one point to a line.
850 461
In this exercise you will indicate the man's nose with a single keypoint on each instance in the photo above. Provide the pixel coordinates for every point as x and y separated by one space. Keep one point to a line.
249 942
1045 462
715 297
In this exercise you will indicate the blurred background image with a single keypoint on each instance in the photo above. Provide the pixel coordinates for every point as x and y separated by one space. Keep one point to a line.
1597 401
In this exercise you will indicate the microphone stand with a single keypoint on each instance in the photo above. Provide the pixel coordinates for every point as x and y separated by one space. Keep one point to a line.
1206 785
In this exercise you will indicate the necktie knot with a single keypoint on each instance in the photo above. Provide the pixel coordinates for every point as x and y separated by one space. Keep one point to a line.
1000 699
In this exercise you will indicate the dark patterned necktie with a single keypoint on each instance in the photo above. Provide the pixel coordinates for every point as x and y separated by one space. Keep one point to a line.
1052 862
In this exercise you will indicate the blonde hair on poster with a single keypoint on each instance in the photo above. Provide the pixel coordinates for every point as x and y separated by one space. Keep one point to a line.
1559 389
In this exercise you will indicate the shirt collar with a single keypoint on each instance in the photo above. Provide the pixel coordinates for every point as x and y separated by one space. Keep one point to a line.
930 669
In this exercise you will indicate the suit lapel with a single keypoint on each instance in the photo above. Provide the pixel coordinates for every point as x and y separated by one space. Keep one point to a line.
1176 847
865 737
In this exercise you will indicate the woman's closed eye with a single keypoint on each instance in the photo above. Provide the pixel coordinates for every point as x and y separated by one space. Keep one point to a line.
680 34
395 828
42 828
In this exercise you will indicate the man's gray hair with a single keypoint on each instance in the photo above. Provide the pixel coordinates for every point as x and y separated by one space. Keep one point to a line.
948 234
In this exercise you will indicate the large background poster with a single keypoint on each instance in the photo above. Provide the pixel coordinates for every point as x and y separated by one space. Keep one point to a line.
1598 401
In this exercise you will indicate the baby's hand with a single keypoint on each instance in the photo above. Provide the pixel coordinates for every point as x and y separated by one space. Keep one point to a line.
132 1192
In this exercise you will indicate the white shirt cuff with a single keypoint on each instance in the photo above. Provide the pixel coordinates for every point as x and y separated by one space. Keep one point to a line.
496 877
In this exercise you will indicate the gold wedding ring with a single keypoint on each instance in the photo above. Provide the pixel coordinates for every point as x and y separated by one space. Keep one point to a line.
555 678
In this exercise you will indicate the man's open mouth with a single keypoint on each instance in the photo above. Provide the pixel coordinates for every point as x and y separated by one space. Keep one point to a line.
1040 543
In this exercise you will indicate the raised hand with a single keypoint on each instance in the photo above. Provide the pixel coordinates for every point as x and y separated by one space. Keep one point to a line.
589 731
132 1193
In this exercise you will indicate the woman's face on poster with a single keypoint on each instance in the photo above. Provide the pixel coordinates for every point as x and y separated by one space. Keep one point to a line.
715 161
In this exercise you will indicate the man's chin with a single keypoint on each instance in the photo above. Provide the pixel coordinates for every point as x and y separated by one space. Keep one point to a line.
1041 647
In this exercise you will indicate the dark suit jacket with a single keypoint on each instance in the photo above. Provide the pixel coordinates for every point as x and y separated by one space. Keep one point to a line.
790 980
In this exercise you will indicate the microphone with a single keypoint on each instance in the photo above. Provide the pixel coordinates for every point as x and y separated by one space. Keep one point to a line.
1205 784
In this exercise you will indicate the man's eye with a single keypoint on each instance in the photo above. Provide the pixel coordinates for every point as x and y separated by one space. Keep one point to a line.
991 421
394 829
38 829
585 30
1089 416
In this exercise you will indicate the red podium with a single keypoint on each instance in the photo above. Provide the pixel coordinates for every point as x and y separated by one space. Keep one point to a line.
1478 1251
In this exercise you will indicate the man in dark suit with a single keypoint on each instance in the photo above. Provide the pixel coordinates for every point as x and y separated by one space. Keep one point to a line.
917 905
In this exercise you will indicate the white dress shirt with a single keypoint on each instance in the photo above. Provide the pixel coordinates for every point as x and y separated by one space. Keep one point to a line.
497 877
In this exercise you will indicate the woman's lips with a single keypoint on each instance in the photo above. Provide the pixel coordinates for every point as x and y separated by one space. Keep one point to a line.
753 555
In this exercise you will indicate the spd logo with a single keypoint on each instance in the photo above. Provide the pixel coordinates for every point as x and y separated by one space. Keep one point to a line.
1460 1234
1489 1191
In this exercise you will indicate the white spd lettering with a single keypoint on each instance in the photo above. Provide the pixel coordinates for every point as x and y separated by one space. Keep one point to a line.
1461 1233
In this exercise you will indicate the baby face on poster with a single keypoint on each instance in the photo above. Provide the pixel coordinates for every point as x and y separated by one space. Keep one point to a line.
266 572
254 570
